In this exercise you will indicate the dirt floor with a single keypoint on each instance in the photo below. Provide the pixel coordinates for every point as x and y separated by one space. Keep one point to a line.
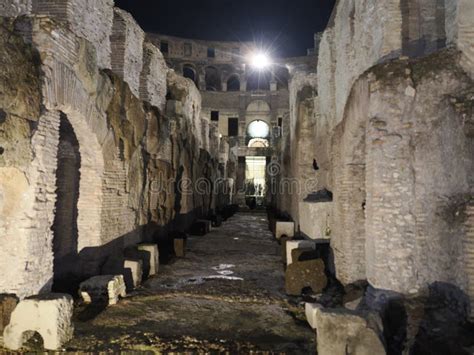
225 295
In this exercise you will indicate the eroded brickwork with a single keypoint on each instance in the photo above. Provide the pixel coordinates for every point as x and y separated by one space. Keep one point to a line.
126 146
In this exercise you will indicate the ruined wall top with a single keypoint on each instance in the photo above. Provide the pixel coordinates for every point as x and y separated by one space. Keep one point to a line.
361 34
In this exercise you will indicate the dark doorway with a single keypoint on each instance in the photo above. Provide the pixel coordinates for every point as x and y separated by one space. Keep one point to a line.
233 127
190 73
233 83
65 231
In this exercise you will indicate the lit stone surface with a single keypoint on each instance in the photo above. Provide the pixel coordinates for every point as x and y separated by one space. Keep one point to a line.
343 332
315 219
49 315
311 311
127 49
284 229
153 77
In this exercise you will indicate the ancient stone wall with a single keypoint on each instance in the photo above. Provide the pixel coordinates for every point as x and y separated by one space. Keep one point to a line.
131 151
419 179
302 129
359 34
402 173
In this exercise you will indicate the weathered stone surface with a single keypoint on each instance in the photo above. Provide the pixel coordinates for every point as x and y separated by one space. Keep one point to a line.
13 8
315 219
342 332
129 152
7 305
153 77
302 274
89 19
127 49
49 315
105 288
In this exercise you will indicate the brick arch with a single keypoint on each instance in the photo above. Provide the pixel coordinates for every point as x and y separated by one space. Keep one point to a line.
89 126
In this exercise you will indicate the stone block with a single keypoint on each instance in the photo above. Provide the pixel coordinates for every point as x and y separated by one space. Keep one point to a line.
303 274
180 247
103 289
216 220
284 229
133 273
152 257
315 219
7 305
283 241
200 227
341 332
303 254
297 244
311 310
49 315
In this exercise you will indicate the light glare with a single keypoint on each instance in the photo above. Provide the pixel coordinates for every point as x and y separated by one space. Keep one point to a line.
260 61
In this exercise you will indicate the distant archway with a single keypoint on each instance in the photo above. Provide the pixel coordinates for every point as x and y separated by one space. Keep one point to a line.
189 72
258 81
213 80
233 83
258 143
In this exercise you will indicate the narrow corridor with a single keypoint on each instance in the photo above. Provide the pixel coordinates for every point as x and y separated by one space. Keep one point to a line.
227 294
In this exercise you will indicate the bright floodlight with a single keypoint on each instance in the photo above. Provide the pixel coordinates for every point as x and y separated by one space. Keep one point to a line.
260 61
258 129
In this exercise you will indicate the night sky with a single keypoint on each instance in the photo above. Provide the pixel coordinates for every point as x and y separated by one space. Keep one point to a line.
286 25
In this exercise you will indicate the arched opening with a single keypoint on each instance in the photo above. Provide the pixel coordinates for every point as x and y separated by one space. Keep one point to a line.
259 81
233 83
190 73
258 143
65 228
213 81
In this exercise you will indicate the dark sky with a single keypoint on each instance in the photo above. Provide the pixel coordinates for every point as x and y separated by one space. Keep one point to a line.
289 24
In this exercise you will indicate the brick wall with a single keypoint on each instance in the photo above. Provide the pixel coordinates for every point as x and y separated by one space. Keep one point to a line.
127 49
